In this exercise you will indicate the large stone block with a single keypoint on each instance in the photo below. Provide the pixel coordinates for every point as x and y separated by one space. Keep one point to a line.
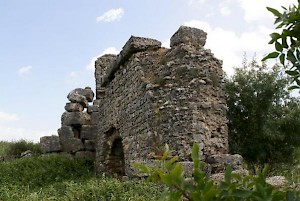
75 118
77 98
88 132
50 144
74 107
189 36
65 132
72 145
76 94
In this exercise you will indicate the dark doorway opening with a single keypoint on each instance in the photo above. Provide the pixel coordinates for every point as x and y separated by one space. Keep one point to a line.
116 162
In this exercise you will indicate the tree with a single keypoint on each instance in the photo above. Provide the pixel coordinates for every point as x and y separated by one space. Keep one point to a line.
263 121
287 41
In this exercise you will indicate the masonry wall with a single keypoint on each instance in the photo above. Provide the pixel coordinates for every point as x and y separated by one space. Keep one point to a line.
148 96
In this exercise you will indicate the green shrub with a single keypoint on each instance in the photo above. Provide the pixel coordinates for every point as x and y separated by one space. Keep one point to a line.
201 187
3 147
15 149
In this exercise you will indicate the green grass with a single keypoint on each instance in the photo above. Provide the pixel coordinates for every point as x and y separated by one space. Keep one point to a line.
61 177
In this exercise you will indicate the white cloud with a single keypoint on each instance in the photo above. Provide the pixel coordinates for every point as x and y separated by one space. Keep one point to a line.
9 133
225 11
255 10
111 15
24 71
230 47
5 117
109 50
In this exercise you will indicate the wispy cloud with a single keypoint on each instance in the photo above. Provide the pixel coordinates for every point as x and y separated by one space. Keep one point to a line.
109 50
24 71
111 15
7 117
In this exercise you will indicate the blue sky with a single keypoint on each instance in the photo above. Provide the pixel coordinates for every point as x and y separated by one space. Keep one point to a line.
47 47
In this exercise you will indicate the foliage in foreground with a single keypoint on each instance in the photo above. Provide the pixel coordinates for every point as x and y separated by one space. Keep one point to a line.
264 119
287 41
60 177
201 187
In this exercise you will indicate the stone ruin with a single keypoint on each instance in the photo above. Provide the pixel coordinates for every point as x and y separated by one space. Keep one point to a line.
148 96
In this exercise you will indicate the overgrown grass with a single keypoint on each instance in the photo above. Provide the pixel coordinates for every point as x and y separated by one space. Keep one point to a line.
61 177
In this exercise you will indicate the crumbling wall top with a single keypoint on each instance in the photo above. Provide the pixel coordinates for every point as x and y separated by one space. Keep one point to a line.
189 36
133 45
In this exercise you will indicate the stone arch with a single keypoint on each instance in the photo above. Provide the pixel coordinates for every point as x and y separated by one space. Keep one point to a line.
114 160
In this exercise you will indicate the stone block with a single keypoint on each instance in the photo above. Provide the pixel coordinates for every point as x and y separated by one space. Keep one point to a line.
50 144
72 145
75 118
88 132
78 98
65 132
74 107
188 35
86 92
89 145
219 162
87 155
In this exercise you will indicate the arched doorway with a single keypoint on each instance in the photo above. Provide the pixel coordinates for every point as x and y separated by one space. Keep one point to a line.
114 162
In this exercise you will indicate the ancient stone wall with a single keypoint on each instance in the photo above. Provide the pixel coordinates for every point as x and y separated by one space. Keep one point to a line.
148 96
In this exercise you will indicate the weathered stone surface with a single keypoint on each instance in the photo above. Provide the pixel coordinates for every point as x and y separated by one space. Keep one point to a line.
78 98
50 144
26 154
87 92
89 145
92 108
189 36
88 132
148 96
221 161
65 133
75 118
74 107
72 145
277 181
87 155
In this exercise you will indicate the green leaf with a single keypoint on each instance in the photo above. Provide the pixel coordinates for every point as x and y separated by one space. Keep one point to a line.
274 11
291 57
282 59
166 153
274 37
271 56
292 72
278 46
294 87
142 168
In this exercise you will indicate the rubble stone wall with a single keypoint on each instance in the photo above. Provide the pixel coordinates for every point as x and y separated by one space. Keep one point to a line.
149 96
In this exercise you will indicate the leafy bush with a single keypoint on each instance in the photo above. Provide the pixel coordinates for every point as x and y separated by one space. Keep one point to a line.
3 147
201 187
15 149
263 117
